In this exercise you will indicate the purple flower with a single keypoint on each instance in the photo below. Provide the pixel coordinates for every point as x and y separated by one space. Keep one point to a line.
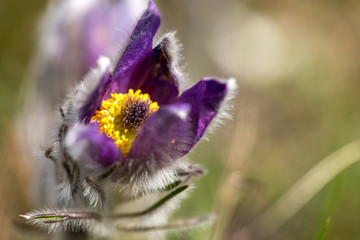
135 114
125 132
74 34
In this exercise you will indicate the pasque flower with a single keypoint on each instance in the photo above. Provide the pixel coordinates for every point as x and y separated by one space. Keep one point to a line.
74 34
135 114
130 124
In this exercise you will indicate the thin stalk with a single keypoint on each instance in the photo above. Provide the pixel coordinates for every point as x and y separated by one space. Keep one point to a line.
175 225
154 206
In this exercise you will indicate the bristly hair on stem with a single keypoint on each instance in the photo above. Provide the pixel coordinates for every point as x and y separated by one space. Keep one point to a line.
54 220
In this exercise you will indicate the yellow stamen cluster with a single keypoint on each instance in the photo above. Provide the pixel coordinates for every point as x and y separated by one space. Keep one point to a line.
121 116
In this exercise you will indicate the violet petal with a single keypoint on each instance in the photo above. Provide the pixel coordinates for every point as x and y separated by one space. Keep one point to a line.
159 83
93 101
164 137
97 35
105 26
85 143
205 98
139 48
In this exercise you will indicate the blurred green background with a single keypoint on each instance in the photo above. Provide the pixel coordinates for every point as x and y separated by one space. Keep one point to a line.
297 67
18 39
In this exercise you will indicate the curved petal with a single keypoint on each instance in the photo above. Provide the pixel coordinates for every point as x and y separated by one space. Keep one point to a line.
93 100
139 48
205 98
96 35
105 26
85 143
159 83
163 138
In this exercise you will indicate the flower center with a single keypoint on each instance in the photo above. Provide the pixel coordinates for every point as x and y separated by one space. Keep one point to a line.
121 116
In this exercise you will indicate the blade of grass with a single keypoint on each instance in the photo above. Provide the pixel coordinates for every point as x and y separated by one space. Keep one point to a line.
306 188
324 229
244 139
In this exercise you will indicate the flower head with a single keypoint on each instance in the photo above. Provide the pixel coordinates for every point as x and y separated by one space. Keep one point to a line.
136 110
74 34
127 126
121 116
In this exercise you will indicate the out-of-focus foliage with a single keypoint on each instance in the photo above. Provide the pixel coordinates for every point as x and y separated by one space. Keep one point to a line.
17 31
297 64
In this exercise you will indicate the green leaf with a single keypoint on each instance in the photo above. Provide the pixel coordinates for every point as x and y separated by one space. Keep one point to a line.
171 186
324 229
154 206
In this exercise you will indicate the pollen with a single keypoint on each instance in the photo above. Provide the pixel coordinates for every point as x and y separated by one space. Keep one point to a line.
121 116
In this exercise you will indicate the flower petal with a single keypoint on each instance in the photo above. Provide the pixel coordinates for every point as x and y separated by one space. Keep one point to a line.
164 137
139 48
105 26
97 35
159 83
85 143
205 98
93 100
